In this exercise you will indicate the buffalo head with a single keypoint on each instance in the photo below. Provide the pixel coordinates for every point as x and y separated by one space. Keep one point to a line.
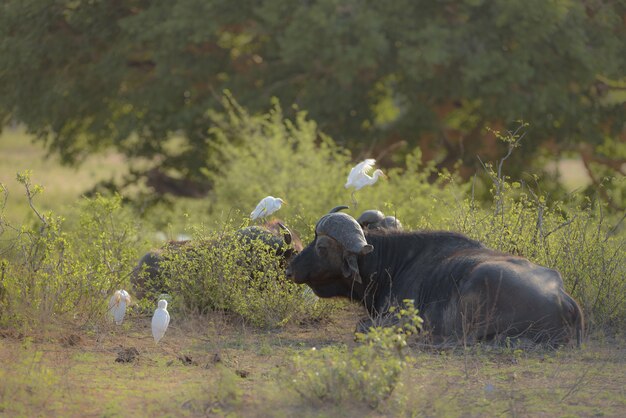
375 219
330 263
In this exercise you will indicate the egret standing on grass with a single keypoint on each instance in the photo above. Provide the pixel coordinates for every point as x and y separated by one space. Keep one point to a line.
266 207
160 321
358 177
117 305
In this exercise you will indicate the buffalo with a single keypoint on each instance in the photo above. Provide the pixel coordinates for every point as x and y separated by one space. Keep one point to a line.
375 219
464 291
146 276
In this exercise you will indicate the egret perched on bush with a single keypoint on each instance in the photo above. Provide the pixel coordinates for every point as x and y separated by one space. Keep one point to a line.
358 177
117 305
266 207
160 321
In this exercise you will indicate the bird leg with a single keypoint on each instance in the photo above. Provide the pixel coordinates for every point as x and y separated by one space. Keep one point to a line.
354 199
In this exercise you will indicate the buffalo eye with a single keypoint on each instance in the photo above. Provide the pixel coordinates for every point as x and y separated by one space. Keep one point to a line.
321 247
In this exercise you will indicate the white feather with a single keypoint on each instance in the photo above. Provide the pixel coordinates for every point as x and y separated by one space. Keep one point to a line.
266 207
160 321
117 305
359 177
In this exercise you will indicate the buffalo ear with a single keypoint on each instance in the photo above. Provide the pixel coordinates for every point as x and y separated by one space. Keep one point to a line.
350 267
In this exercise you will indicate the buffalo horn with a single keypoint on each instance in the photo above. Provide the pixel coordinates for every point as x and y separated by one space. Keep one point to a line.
287 235
338 208
346 230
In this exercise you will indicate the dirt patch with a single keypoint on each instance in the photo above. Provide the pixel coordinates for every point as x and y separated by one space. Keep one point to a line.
127 355
187 360
71 340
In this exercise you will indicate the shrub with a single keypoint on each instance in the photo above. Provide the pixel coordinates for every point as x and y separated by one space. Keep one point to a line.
591 260
220 271
51 268
52 274
293 160
367 374
268 154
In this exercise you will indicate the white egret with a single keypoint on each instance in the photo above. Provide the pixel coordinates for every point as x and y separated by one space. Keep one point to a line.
160 321
266 207
359 177
117 305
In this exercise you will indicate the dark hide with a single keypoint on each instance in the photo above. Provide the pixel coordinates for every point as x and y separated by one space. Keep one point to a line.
375 219
463 290
277 238
145 276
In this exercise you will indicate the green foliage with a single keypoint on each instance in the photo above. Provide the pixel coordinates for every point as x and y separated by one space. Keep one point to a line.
410 194
591 259
222 271
84 75
366 374
270 155
574 236
51 274
53 269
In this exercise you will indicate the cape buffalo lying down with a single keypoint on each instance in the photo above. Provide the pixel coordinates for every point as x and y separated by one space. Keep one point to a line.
145 276
375 219
463 290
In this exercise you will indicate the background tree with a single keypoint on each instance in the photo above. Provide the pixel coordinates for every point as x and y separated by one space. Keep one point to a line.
142 76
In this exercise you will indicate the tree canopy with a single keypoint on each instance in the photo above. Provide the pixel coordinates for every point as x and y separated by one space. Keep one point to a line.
132 74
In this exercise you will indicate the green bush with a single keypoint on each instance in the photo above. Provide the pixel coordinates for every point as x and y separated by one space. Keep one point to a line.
591 260
575 241
50 274
220 271
366 374
267 154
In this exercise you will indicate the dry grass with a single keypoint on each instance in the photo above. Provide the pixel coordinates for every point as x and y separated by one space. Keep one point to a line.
62 185
203 364
214 366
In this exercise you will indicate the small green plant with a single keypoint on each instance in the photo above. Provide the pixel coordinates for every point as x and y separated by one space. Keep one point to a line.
367 374
226 392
